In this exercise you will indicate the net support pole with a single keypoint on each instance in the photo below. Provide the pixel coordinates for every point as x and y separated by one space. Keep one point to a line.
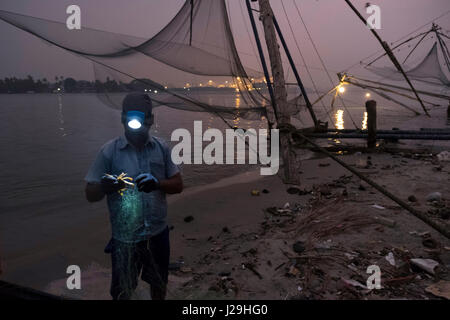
390 54
191 22
291 163
297 76
262 58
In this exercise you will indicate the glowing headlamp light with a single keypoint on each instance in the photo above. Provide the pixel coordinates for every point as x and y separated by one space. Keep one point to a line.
135 119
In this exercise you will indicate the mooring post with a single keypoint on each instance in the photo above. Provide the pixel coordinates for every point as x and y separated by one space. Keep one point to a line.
371 108
448 110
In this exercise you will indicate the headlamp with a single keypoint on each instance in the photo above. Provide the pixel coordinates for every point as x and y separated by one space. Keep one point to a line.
135 119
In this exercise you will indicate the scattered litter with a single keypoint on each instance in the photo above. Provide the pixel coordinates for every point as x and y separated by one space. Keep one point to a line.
390 258
353 283
376 206
440 289
293 271
427 265
385 221
255 192
351 255
324 245
444 156
185 269
434 196
287 205
299 289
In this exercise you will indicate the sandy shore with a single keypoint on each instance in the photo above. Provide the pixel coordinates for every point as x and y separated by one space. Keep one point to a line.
235 248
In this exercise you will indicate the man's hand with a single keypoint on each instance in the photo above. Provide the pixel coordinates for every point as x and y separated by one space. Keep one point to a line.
111 184
146 182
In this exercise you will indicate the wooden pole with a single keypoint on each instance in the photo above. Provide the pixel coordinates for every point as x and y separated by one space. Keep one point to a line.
371 108
290 160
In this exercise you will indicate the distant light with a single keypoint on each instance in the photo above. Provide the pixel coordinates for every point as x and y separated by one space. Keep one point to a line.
59 89
341 89
145 90
134 124
367 95
156 91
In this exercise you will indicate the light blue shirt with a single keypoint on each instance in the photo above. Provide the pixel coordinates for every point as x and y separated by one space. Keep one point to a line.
135 216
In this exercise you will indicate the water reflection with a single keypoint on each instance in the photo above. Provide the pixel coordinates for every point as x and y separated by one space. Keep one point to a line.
61 116
364 122
339 119
237 119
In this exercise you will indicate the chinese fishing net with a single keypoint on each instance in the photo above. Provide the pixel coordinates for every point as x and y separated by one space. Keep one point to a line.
191 54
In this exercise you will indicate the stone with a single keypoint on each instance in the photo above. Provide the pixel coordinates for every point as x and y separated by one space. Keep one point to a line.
434 196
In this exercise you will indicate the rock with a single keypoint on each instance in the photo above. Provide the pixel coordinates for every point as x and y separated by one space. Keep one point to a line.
412 198
434 196
265 191
430 243
440 289
427 265
361 187
226 230
188 219
298 247
293 190
224 274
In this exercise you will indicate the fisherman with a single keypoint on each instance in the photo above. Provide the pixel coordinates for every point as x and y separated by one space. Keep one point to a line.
138 207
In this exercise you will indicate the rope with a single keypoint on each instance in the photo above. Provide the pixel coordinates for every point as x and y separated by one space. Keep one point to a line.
322 62
306 66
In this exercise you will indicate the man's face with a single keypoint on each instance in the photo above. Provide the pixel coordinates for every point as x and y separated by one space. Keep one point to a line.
137 124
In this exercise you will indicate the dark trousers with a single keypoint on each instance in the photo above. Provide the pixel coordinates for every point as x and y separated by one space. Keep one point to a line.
149 258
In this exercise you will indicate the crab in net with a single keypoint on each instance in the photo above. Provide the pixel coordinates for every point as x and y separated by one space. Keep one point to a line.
125 180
